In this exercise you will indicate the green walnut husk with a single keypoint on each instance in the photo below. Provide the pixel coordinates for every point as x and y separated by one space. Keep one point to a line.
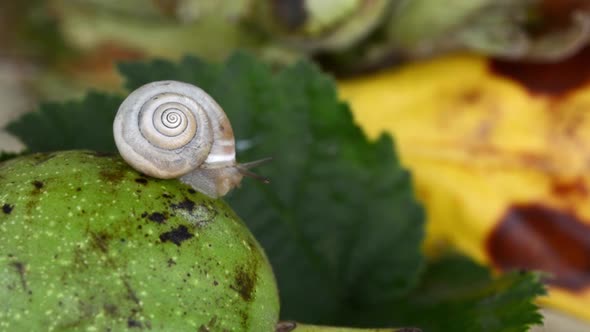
87 243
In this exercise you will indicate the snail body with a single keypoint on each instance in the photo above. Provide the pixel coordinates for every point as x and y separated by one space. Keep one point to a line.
171 129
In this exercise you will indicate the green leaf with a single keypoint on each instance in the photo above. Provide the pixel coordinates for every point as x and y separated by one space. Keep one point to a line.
339 221
85 124
458 295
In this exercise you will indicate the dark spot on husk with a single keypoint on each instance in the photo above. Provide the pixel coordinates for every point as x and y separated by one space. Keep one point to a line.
538 237
244 282
20 269
131 295
210 326
100 241
553 79
157 217
79 259
7 208
111 175
110 309
134 323
170 262
38 184
186 204
143 181
168 196
176 235
291 14
191 191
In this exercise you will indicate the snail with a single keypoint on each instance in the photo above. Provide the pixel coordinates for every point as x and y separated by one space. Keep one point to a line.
171 129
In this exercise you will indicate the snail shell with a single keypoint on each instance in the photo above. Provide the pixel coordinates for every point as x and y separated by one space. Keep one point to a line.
171 129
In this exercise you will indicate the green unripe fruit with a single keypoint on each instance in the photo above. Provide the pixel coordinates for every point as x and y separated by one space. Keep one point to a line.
89 244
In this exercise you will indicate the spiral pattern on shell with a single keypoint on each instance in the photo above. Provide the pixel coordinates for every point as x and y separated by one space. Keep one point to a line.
167 120
166 129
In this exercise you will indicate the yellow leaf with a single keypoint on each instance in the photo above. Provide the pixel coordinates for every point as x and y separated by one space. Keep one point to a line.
500 155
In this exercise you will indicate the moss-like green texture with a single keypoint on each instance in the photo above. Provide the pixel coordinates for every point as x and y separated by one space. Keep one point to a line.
89 244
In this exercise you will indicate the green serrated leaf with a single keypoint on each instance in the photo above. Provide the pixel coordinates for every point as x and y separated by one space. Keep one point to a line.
458 295
339 221
85 124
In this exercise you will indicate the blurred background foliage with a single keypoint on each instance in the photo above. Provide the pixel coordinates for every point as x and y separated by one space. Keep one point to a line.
74 43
